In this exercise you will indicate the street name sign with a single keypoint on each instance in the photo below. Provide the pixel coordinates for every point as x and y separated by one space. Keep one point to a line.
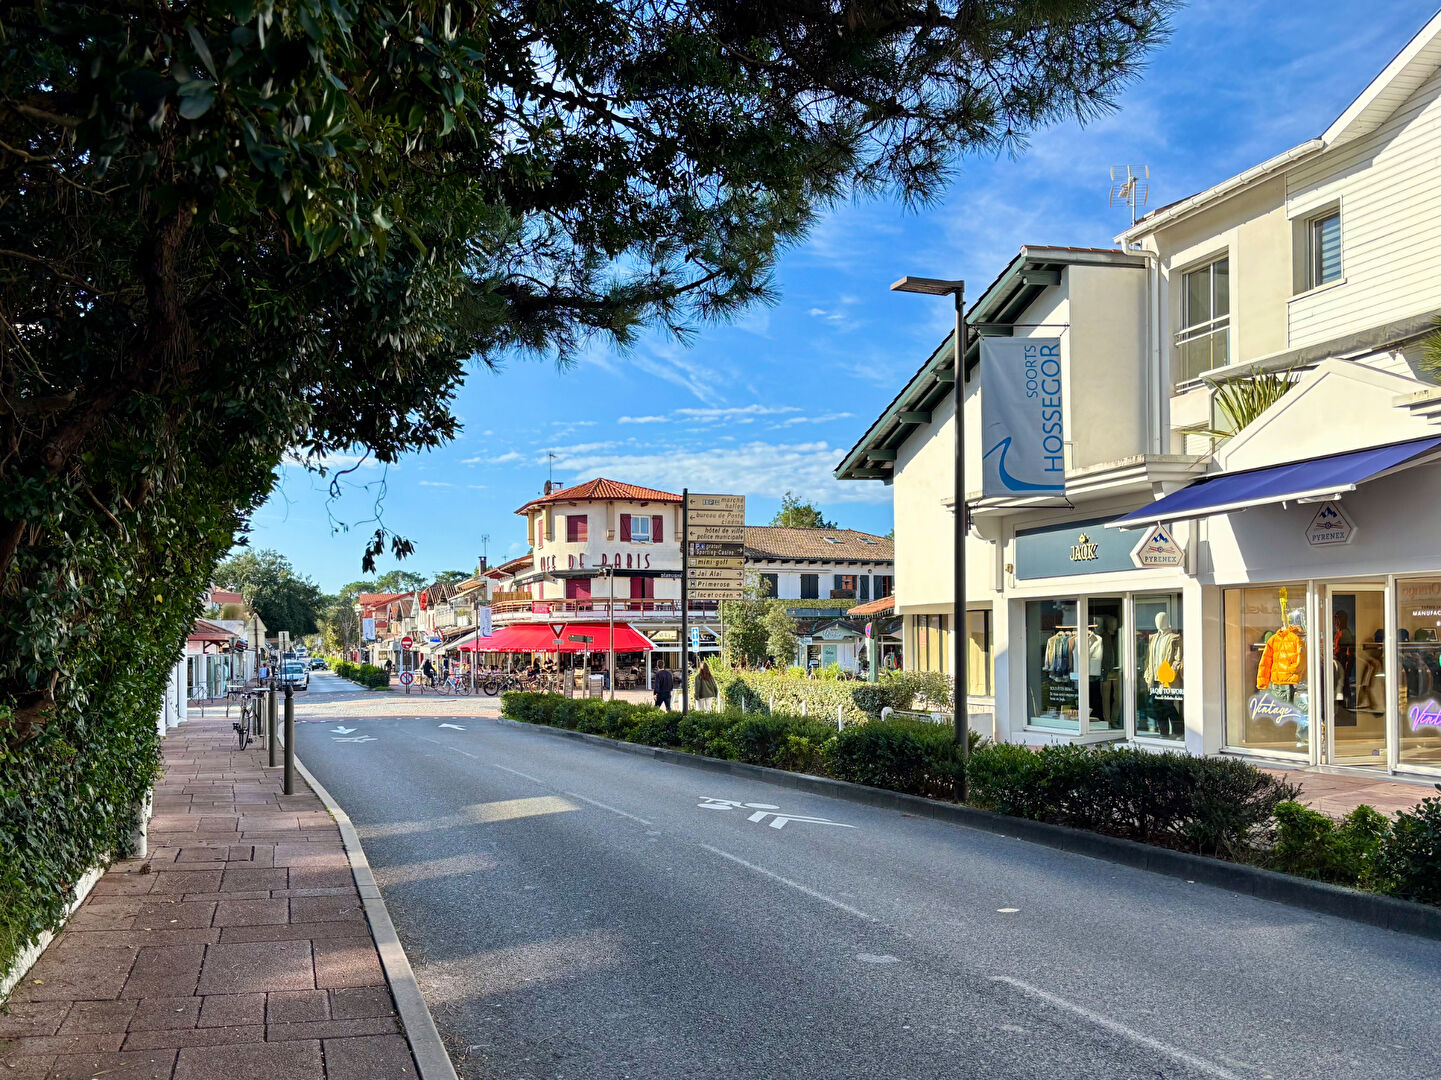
715 546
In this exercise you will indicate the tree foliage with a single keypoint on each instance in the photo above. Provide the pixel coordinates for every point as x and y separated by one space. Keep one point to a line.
235 231
399 581
796 513
282 598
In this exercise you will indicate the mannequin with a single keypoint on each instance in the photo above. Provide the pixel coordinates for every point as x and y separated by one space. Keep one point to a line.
1163 673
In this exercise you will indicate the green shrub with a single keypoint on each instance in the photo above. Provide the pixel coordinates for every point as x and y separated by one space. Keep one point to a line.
902 755
1410 858
1214 806
367 675
1312 844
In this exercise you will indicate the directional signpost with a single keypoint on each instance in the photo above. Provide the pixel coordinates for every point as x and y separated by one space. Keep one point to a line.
712 562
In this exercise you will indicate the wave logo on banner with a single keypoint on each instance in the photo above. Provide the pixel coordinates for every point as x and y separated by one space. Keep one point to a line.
1022 430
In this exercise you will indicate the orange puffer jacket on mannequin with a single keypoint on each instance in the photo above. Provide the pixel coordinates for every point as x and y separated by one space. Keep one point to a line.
1282 659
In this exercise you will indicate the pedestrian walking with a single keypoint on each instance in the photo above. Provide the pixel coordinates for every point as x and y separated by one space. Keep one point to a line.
664 683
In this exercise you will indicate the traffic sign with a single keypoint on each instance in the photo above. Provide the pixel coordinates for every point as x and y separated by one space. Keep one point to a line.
714 553
407 677
436 639
722 562
583 639
734 534
726 549
406 642
695 638
557 628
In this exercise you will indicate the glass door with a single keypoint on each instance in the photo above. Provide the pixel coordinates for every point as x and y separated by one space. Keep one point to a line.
1355 677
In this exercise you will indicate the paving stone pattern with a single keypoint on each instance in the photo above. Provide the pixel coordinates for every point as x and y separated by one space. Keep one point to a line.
238 948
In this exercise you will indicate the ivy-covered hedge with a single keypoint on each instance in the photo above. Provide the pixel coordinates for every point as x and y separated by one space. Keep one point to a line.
367 675
784 692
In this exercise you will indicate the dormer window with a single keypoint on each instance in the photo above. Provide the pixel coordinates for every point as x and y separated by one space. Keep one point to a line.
830 540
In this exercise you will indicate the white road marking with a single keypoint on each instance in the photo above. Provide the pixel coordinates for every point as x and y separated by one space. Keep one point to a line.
778 821
357 738
604 806
340 729
1007 910
1198 1064
793 884
517 772
457 727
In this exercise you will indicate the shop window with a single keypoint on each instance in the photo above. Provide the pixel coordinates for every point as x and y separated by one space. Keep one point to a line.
810 586
1106 700
1418 684
1268 697
1159 673
978 659
931 645
1053 665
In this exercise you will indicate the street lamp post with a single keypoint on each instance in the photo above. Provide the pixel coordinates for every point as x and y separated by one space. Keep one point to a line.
960 616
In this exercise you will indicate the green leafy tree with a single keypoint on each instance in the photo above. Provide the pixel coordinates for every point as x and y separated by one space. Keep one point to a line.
400 581
235 231
796 513
339 626
780 631
282 598
451 577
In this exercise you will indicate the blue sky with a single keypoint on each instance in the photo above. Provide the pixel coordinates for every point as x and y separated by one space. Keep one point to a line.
772 402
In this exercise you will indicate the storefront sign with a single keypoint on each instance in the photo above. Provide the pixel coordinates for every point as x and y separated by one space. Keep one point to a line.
1158 548
1266 706
1022 426
1427 714
1081 547
1330 527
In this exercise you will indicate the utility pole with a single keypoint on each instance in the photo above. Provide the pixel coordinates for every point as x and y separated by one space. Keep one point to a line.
684 603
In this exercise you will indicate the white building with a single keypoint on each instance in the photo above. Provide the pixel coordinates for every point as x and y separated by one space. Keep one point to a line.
1291 608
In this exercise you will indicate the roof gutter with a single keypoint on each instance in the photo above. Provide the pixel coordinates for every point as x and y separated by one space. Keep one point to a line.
1225 189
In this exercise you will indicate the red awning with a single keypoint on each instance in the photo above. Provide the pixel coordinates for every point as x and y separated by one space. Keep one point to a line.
538 637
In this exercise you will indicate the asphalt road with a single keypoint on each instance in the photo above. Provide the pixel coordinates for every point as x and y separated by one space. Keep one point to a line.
574 912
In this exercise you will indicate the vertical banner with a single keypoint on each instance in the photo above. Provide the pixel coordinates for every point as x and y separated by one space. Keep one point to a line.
1022 431
367 629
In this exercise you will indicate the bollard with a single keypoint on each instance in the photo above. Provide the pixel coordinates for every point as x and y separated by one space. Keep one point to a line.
840 717
270 718
289 739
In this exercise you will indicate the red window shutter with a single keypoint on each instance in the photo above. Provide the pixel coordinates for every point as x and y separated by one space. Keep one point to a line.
625 526
577 589
576 528
657 529
637 588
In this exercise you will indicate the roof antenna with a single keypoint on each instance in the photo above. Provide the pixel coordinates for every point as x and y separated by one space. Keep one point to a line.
1130 184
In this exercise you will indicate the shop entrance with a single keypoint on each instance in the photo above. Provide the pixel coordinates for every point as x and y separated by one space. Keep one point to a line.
1355 675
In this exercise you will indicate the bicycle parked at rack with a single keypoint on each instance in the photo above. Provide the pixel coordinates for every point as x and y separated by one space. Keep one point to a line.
249 723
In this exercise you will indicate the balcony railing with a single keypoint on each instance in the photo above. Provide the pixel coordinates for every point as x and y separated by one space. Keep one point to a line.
1200 348
626 610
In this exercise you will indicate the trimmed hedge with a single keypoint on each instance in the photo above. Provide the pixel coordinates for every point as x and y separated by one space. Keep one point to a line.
1208 806
1211 806
367 675
859 702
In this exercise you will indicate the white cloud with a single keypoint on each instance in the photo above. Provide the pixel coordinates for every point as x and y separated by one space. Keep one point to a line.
644 420
751 468
815 419
509 457
476 487
731 412
436 483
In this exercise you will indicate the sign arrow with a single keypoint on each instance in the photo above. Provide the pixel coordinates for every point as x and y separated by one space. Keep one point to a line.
339 730
457 727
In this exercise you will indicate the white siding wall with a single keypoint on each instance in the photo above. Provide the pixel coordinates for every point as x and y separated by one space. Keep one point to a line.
1389 186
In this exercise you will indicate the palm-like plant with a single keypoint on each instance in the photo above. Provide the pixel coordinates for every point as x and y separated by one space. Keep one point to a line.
1431 351
1241 401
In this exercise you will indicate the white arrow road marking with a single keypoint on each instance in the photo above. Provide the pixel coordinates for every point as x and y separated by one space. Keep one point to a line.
340 730
778 821
457 727
358 738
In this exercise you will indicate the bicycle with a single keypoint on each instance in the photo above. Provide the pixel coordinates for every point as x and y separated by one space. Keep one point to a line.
249 717
456 684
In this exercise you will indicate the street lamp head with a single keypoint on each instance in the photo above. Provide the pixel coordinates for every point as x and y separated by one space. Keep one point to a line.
928 286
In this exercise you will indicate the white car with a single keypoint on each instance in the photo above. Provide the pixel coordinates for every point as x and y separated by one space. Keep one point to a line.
295 673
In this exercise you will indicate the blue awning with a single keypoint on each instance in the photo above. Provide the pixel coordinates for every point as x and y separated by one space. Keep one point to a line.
1314 478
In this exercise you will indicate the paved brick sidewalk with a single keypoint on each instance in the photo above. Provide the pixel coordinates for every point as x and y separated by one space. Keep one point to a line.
238 949
1339 795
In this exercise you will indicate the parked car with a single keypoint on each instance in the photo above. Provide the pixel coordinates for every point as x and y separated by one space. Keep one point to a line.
317 663
295 673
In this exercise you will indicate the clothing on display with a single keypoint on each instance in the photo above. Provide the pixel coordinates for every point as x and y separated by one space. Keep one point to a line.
1282 659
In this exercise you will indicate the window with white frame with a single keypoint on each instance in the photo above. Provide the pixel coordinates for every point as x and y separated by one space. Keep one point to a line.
1323 248
639 529
1203 342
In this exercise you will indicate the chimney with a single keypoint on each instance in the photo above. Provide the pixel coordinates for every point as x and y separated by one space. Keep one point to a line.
549 486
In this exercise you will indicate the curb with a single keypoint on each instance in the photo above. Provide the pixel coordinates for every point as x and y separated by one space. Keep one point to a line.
432 1061
1373 909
